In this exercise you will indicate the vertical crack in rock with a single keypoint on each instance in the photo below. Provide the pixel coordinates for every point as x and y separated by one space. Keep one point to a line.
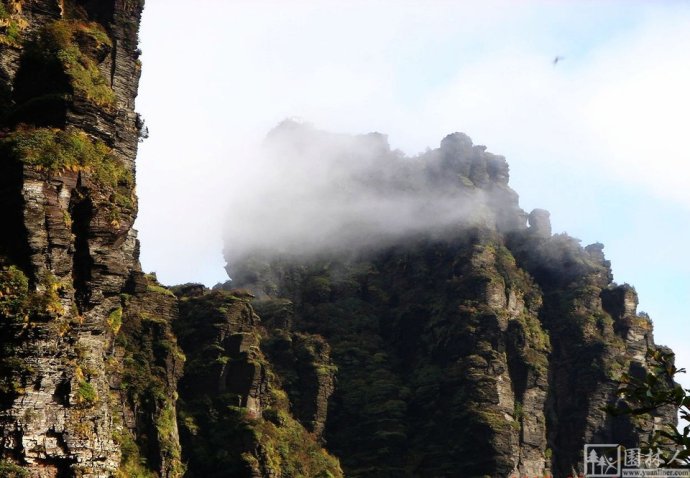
81 214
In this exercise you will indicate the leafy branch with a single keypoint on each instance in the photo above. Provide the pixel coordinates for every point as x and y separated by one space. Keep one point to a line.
647 395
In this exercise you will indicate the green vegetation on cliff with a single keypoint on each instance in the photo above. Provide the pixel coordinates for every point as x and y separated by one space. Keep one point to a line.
450 350
24 307
62 66
231 395
20 302
132 465
11 27
151 363
14 293
88 362
77 46
10 470
413 330
55 151
651 395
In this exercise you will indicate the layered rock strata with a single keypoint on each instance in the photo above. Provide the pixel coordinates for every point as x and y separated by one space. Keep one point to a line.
69 71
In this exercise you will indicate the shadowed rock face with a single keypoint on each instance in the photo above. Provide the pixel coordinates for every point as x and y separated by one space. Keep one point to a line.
485 349
253 402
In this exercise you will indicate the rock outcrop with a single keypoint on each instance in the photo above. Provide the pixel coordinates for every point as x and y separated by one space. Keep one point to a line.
68 406
236 417
488 348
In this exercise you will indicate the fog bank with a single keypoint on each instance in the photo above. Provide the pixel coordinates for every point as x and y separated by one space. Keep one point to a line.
309 191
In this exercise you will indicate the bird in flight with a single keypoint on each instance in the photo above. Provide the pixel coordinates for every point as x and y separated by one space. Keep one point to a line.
557 59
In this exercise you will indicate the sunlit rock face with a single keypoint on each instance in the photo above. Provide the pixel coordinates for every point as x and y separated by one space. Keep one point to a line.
74 293
478 345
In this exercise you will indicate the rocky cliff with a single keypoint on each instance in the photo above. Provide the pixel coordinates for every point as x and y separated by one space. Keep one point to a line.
79 320
236 417
485 347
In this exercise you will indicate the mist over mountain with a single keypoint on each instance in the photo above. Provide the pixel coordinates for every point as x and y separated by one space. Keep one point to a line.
463 337
309 192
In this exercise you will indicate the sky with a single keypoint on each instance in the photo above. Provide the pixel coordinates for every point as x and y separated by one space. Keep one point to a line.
600 138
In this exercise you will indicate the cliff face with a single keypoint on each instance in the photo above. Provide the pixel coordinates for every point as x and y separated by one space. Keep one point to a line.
487 348
74 298
235 415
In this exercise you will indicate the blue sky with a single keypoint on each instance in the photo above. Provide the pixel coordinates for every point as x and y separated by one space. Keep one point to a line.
600 140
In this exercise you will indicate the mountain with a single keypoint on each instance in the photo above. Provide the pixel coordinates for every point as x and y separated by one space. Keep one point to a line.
434 329
486 346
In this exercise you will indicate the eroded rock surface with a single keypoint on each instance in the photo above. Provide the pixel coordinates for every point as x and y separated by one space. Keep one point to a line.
69 72
490 348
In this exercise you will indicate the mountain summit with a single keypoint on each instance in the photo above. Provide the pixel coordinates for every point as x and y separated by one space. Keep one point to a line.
469 343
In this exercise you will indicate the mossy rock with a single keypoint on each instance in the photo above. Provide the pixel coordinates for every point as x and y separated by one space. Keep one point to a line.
54 151
10 470
12 27
78 47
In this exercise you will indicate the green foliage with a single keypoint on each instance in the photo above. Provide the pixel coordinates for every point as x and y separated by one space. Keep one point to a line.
54 150
287 449
412 334
47 300
75 45
270 443
115 320
12 33
17 307
369 410
292 451
86 393
132 465
317 289
166 426
10 470
519 412
15 373
14 293
152 285
150 367
11 27
657 389
159 289
20 304
537 336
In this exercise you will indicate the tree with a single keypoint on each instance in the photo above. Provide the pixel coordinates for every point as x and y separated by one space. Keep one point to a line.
658 389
